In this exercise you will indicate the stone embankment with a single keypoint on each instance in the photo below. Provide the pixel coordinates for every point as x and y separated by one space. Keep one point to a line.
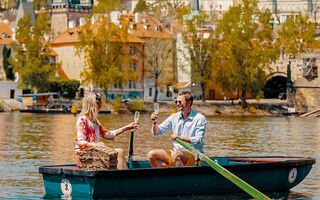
228 108
264 107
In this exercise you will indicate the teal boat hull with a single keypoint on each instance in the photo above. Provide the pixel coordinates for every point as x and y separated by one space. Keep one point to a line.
263 173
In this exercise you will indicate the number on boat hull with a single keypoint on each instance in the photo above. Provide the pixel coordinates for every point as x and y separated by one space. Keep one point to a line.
292 175
66 187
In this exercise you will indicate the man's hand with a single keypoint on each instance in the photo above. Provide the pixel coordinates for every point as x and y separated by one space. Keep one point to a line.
174 136
185 139
154 118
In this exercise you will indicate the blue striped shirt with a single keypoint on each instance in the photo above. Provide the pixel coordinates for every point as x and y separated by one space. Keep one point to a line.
194 127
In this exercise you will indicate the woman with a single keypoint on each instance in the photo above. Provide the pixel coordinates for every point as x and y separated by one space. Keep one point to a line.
89 129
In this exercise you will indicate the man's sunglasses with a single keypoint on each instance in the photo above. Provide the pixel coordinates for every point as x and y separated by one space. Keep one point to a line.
180 102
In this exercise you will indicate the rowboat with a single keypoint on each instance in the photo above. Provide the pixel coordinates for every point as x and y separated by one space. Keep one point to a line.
268 174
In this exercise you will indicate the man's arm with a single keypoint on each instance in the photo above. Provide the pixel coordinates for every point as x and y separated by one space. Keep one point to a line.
164 127
154 118
200 130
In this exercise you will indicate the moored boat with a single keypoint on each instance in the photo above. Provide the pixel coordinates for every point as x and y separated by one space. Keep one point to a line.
264 173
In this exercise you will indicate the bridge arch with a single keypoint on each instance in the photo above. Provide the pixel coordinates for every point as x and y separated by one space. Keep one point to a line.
276 84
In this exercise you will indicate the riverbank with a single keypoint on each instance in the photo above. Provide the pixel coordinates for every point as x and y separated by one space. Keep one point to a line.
264 107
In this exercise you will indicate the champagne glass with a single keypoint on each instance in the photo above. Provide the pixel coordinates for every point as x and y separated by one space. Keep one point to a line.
156 108
136 116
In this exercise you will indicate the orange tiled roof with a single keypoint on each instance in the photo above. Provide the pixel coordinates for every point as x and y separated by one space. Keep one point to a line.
5 34
70 36
182 84
147 27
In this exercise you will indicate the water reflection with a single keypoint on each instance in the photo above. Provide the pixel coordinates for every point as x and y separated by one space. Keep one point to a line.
30 140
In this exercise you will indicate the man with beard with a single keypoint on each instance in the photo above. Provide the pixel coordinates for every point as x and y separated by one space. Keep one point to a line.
187 125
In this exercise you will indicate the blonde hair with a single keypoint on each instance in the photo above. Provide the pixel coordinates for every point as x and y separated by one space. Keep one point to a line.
90 105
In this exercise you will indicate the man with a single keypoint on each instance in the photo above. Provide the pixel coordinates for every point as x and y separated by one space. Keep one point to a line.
187 125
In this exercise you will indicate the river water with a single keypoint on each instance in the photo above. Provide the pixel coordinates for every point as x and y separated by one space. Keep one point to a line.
28 141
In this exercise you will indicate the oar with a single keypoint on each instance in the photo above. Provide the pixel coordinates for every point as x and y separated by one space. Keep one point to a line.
130 160
224 172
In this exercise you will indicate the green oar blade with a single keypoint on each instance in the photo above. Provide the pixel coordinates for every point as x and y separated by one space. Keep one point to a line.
224 172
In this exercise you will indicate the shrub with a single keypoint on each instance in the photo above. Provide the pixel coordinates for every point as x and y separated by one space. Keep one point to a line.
117 105
136 105
67 88
252 109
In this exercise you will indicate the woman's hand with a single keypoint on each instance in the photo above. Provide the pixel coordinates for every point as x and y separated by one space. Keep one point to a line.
133 125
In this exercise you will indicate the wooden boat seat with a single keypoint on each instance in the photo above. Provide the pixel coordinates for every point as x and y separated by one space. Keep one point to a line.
263 159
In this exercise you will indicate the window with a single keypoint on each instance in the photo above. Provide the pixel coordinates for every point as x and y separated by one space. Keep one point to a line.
115 85
133 49
134 66
134 85
130 84
150 92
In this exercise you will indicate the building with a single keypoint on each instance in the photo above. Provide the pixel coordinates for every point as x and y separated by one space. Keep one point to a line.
8 89
66 13
5 41
280 8
71 65
158 55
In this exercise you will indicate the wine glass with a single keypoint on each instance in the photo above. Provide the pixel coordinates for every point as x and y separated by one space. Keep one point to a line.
136 116
156 108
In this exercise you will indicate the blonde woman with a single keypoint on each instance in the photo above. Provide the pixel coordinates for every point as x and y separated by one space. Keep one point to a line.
89 130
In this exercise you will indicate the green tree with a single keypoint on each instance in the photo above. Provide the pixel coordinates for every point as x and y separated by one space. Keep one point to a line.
158 56
296 36
200 47
38 4
107 6
32 59
246 48
6 52
168 12
141 6
103 44
67 88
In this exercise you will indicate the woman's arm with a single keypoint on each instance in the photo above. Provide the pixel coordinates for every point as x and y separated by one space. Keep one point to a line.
111 134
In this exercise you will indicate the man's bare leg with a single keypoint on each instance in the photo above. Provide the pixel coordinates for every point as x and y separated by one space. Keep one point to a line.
157 155
121 159
179 158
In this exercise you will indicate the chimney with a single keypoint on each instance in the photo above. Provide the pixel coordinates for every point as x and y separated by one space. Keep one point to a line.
93 20
72 24
81 21
115 16
136 17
